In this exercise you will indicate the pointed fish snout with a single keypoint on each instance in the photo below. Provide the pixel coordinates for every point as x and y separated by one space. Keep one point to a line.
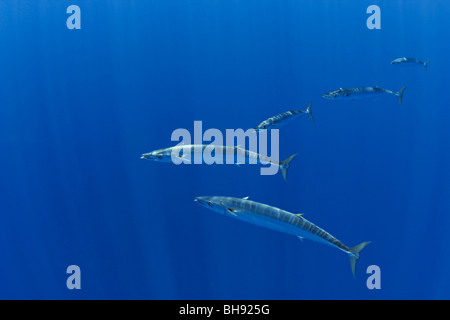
146 156
201 200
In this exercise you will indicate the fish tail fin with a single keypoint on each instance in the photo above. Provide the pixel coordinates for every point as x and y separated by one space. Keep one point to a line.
284 165
354 255
309 112
425 64
400 94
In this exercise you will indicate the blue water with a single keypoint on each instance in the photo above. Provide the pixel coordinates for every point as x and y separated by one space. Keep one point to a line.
79 107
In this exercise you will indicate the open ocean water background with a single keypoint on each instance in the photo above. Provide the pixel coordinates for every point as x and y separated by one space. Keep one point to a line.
79 107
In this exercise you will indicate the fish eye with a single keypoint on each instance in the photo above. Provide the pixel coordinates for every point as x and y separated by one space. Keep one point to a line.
209 204
159 156
264 127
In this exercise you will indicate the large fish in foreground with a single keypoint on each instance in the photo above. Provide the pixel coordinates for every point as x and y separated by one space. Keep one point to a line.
410 62
178 151
283 119
279 220
361 93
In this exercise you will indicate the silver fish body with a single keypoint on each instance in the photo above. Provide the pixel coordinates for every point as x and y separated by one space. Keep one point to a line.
404 61
165 155
282 119
277 219
362 93
241 155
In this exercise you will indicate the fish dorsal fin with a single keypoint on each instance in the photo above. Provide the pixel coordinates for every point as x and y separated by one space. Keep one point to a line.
245 198
300 215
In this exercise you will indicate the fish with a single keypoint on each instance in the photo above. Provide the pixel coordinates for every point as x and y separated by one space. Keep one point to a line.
363 92
165 155
280 220
410 62
283 119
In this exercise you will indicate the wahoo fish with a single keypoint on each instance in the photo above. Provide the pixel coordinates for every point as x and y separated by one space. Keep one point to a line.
285 118
410 62
360 93
179 152
279 220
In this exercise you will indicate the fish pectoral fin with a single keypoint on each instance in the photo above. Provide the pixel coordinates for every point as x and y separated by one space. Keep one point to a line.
233 212
184 159
301 238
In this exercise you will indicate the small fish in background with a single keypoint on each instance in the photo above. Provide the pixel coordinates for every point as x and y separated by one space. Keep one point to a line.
361 93
410 62
280 220
283 119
